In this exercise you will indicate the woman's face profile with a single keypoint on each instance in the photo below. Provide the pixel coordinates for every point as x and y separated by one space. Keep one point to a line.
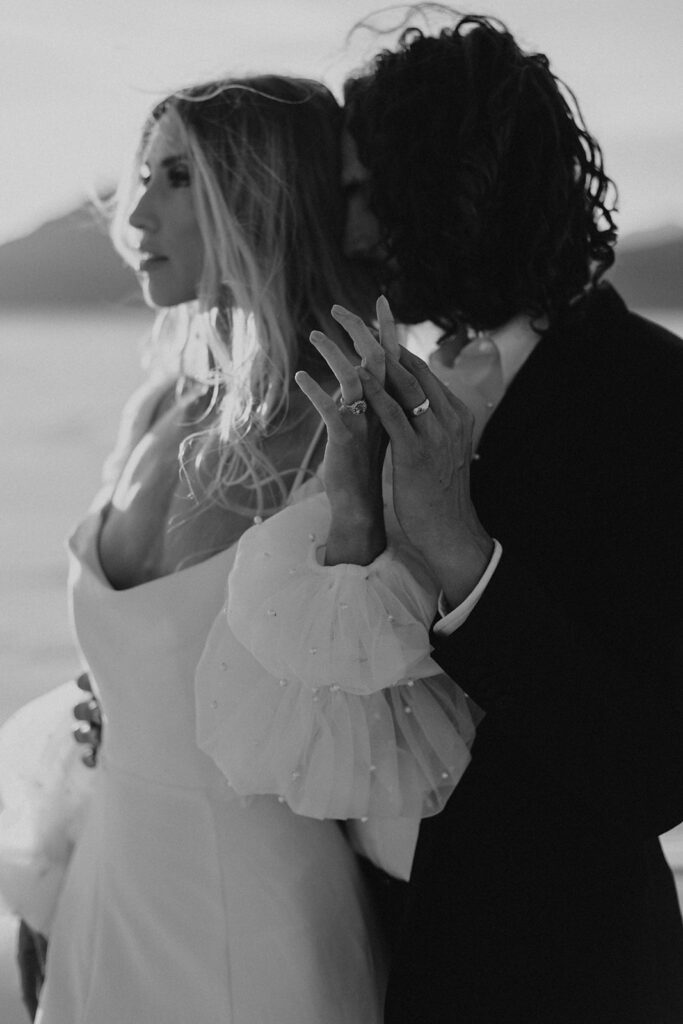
168 240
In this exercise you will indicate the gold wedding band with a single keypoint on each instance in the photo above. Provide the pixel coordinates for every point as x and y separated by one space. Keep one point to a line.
356 408
420 409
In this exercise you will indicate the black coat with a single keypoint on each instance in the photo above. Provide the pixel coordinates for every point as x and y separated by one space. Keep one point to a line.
540 894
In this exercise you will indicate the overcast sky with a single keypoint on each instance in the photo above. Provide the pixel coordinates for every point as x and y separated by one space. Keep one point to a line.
77 77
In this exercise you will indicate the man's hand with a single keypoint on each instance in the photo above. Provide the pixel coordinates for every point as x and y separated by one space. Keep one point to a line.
89 728
431 454
31 956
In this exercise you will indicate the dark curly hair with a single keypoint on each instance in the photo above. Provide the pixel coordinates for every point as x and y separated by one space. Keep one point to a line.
490 191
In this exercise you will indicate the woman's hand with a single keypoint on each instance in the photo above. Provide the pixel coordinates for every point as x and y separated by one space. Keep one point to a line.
356 441
89 728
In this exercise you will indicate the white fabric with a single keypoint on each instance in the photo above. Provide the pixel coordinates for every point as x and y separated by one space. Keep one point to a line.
476 377
44 793
183 902
515 341
316 683
388 842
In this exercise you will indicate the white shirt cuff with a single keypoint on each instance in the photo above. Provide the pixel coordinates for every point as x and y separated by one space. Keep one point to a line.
452 620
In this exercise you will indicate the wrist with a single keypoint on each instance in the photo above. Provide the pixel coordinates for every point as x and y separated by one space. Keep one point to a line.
358 541
459 568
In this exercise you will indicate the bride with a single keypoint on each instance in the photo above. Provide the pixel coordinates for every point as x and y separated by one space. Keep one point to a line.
262 661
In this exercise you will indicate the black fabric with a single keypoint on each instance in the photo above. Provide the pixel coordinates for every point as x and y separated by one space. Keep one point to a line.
388 896
540 893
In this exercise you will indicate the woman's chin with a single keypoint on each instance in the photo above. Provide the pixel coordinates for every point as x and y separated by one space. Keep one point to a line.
162 298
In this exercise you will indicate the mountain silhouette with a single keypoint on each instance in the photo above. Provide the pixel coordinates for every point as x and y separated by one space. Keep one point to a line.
648 270
70 261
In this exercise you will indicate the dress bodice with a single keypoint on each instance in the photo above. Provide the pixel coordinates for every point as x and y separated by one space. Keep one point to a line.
142 646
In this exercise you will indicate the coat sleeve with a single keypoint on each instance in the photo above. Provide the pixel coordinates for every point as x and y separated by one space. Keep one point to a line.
592 686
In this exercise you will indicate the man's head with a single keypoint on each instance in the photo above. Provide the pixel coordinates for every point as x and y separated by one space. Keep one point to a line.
489 191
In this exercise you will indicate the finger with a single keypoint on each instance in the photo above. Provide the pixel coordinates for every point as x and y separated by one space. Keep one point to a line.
387 328
389 412
95 711
440 397
447 413
83 682
325 405
84 733
89 759
341 367
316 395
364 341
408 392
89 711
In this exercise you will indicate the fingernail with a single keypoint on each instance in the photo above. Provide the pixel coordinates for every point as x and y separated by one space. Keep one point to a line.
364 374
316 336
339 311
385 302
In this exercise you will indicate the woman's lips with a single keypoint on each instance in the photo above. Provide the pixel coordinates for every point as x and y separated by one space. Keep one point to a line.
150 261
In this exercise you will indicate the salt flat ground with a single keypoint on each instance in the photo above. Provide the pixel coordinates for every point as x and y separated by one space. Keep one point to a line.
65 377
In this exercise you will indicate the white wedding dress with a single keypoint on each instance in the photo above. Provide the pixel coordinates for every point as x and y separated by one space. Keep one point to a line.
248 700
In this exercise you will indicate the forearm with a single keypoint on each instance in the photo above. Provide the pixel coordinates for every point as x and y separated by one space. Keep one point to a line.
356 537
459 569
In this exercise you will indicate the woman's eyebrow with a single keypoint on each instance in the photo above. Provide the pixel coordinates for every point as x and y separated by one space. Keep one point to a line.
168 161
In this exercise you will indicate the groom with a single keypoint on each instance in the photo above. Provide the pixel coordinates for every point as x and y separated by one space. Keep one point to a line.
540 894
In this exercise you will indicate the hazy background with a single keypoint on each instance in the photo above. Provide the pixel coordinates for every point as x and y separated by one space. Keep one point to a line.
76 79
77 76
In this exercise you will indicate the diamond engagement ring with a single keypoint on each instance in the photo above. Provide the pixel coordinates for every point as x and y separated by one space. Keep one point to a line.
355 408
420 409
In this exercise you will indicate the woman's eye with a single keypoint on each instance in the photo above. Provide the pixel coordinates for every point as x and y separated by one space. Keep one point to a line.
145 175
179 176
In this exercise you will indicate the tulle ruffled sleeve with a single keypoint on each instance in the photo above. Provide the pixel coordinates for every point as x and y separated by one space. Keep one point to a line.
316 683
45 792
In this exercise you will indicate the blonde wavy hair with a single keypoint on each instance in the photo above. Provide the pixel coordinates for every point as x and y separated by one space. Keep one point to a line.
264 157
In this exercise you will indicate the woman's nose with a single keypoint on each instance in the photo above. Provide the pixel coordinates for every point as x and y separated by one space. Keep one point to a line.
142 215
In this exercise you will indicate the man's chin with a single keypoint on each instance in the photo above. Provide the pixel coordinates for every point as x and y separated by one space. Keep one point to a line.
366 249
375 263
